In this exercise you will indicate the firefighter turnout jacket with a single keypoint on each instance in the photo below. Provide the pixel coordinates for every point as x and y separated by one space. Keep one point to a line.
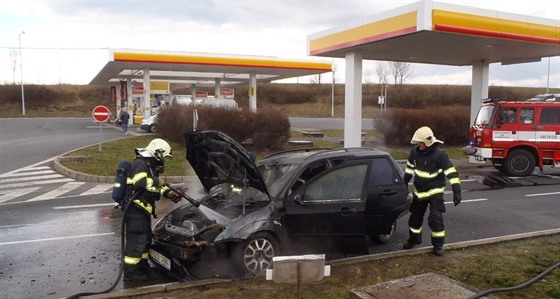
430 167
146 185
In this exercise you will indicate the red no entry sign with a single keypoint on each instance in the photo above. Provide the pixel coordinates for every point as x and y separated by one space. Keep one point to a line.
101 113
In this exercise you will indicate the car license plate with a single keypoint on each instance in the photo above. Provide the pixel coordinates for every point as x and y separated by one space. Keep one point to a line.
160 259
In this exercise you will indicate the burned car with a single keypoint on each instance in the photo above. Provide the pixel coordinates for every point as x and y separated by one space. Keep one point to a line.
293 202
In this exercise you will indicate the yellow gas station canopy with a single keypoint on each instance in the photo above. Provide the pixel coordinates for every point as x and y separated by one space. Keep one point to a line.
440 33
202 69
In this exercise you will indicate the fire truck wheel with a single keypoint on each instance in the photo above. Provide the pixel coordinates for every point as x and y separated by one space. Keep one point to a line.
519 163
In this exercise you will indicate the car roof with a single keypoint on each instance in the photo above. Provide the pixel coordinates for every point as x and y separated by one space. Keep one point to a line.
300 156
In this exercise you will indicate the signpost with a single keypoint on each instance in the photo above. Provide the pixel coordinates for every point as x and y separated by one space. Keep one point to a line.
101 114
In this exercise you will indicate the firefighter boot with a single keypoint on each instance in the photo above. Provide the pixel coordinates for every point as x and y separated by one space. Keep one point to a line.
438 250
413 240
135 273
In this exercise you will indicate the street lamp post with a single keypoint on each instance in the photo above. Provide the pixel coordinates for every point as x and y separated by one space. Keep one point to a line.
21 72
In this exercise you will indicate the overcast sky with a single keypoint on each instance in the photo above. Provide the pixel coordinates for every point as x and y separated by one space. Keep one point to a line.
67 41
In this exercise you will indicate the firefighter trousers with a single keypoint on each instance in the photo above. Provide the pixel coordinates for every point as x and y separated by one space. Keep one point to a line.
138 239
435 219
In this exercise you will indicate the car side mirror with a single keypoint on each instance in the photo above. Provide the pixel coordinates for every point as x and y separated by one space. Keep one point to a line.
298 199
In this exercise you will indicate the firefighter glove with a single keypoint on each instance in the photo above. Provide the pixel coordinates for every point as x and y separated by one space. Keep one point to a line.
456 194
162 182
168 193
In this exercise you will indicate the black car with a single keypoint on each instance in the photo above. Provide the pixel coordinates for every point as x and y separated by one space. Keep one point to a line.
294 202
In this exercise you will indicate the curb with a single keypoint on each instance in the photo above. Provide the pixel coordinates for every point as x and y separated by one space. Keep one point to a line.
104 179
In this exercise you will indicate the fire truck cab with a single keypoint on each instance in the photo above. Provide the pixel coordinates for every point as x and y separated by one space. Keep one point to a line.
516 136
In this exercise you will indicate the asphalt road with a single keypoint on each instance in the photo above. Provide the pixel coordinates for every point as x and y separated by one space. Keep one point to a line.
59 245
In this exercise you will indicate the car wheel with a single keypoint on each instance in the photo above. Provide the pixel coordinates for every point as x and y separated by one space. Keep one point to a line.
255 254
519 163
153 128
384 238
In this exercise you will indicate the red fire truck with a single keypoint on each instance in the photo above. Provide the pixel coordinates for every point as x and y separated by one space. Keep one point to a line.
516 136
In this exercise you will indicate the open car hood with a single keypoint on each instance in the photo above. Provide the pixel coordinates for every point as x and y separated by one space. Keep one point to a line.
217 159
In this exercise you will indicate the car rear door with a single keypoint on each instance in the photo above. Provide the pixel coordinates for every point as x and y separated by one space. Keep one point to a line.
328 210
386 196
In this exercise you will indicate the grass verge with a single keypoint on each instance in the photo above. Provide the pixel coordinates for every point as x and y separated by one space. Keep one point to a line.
483 267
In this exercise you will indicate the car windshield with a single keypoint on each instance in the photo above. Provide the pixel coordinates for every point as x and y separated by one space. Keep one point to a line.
275 176
232 200
484 115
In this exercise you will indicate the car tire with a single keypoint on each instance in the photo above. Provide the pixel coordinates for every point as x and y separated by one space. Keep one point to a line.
519 163
384 238
153 128
255 254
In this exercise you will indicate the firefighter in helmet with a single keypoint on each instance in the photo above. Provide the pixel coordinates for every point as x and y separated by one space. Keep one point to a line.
147 188
429 166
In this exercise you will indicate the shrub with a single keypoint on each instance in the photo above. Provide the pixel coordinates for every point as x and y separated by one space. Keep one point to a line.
449 123
267 129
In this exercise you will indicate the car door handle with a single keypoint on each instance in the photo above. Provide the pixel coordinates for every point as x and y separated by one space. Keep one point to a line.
347 211
389 192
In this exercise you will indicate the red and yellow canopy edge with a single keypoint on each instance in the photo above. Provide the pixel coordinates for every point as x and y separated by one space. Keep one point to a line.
219 61
386 28
449 21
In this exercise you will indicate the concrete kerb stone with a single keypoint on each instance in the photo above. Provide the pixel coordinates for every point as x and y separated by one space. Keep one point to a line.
450 246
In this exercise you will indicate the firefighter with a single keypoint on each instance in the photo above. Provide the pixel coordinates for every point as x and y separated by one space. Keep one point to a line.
429 166
146 190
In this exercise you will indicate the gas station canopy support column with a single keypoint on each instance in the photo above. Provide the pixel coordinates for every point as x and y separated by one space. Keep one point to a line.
353 100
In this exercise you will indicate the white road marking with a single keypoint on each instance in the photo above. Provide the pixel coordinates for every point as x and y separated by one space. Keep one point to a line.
56 239
11 194
27 184
54 175
58 191
98 189
85 206
20 174
542 194
468 200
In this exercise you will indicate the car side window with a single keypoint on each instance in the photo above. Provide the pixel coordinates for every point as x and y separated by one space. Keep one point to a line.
382 173
550 116
308 174
344 183
509 115
527 115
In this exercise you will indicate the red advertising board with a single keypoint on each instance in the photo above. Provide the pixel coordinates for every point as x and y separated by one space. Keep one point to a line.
113 94
227 93
124 91
101 114
201 94
137 89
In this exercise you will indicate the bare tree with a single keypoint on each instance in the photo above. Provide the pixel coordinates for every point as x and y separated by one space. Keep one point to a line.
367 72
400 71
382 72
13 64
316 79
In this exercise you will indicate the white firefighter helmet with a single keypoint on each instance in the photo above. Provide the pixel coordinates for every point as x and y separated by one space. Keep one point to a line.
158 148
424 134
